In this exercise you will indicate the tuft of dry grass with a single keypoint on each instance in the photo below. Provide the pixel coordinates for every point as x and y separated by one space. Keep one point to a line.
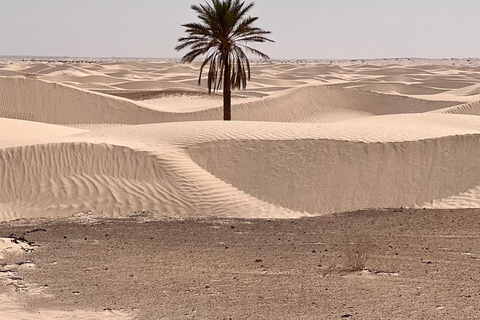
355 250
358 251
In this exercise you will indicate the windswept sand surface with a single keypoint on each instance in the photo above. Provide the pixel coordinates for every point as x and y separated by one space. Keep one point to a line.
122 136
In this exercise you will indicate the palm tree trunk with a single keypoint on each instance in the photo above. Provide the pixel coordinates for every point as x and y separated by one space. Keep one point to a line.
227 99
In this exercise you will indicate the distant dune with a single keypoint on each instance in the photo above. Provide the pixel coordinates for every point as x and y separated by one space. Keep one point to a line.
308 139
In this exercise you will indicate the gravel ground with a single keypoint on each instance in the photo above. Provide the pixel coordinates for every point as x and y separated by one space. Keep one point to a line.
419 264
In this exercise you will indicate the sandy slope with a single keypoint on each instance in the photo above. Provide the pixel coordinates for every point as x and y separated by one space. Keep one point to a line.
263 169
59 104
18 132
314 139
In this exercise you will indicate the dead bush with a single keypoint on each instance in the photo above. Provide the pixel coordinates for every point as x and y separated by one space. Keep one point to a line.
358 249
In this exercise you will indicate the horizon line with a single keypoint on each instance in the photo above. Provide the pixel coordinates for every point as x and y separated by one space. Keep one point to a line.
253 59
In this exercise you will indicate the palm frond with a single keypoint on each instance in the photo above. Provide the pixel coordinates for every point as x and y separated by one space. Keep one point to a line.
222 36
255 52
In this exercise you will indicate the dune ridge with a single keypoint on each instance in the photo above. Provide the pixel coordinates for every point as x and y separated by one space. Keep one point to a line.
313 139
265 170
40 101
472 108
328 104
36 100
60 178
19 132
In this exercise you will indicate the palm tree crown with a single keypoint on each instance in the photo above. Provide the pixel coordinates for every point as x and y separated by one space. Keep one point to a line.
222 37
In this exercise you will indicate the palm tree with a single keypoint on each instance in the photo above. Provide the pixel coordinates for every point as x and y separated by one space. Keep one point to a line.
222 37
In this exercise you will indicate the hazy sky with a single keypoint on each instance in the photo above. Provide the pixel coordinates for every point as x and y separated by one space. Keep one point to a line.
319 29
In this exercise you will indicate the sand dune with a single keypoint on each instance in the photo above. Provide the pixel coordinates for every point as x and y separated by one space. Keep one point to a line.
151 85
313 139
58 104
402 88
474 92
472 108
325 104
78 175
90 79
264 169
18 132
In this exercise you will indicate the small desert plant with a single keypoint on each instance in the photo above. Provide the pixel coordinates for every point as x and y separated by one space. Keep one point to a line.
358 251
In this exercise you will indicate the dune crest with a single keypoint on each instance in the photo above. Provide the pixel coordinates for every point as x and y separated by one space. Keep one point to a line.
313 139
40 101
243 169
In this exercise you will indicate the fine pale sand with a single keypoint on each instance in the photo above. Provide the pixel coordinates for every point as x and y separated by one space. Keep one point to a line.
119 137
309 139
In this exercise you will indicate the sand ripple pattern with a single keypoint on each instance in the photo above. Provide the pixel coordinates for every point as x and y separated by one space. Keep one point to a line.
40 101
242 169
58 179
313 139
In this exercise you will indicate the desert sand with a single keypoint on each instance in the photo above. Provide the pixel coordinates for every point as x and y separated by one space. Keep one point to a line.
309 139
124 136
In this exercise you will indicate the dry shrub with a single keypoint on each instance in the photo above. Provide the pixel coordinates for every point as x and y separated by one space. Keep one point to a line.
358 251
